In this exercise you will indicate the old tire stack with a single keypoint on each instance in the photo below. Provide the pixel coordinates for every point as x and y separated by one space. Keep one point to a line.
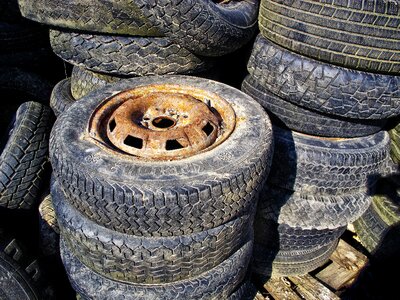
167 217
107 41
326 73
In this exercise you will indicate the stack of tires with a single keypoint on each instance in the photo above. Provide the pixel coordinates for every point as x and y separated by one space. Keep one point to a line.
156 182
326 73
107 41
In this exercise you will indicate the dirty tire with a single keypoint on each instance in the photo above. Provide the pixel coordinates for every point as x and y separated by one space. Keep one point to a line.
355 34
268 262
246 291
217 283
49 232
187 198
20 274
328 166
312 210
395 143
126 56
286 238
204 27
24 160
85 81
290 116
324 87
149 260
103 16
61 98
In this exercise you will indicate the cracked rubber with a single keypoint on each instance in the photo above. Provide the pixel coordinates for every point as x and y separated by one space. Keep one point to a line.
24 159
217 283
327 165
288 115
126 56
166 198
61 98
270 262
49 232
149 260
312 210
324 87
204 27
103 16
356 34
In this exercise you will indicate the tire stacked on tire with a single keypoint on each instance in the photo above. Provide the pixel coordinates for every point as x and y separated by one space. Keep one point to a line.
329 93
140 228
107 41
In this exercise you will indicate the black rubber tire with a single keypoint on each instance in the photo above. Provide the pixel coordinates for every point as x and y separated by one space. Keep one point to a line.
19 86
324 87
217 283
147 260
61 98
85 81
356 34
267 262
20 275
15 37
329 166
204 27
190 195
24 159
126 56
312 210
395 143
49 231
290 116
104 16
246 291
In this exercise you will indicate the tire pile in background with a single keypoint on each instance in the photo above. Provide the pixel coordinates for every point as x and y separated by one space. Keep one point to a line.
327 75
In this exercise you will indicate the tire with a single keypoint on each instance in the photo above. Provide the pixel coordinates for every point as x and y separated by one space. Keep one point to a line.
103 16
293 117
24 159
20 275
354 34
204 27
324 87
312 210
327 166
84 81
395 144
267 262
286 238
125 56
49 231
187 198
19 86
61 98
246 291
15 37
148 260
217 283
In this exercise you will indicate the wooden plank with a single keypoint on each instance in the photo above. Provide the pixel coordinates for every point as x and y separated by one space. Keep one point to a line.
311 289
345 266
281 288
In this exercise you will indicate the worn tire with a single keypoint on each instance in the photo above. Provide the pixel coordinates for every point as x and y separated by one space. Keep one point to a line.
61 98
290 116
324 87
329 166
204 27
395 143
24 159
355 34
312 210
126 56
186 197
103 16
49 231
217 283
268 262
147 260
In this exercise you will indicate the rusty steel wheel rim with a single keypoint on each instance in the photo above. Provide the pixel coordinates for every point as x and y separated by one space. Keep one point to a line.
162 122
